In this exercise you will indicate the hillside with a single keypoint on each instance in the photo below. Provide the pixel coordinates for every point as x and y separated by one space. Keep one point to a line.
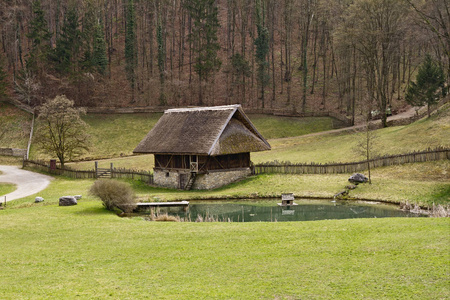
15 127
423 134
115 135
313 60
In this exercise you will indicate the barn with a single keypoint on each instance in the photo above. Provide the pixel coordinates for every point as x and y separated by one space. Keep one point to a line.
202 147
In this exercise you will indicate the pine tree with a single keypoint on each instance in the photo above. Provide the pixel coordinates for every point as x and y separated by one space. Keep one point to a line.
39 36
66 54
425 90
131 55
262 50
204 39
88 35
99 58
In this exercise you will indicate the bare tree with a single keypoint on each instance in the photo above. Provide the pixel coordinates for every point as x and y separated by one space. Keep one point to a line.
61 131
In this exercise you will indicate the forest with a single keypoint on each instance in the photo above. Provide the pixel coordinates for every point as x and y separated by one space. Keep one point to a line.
298 56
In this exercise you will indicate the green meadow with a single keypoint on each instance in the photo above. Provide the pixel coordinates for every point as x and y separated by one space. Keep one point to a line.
6 188
87 252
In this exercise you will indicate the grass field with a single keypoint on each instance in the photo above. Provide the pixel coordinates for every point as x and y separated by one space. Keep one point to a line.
426 133
87 252
6 188
14 127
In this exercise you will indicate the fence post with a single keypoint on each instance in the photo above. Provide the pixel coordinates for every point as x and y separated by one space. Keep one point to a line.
96 169
111 167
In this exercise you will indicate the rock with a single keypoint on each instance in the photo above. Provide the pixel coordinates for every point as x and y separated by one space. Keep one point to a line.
38 199
358 178
67 201
78 197
341 195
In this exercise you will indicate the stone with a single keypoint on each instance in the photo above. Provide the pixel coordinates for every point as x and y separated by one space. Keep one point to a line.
67 201
38 199
78 197
358 178
341 195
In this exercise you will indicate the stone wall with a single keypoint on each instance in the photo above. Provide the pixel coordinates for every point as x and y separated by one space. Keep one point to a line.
212 180
166 178
13 152
217 179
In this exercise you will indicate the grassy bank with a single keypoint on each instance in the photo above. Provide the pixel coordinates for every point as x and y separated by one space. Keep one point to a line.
426 133
86 252
421 183
6 188
429 183
15 127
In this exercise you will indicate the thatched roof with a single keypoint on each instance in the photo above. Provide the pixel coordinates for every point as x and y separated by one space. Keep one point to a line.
211 131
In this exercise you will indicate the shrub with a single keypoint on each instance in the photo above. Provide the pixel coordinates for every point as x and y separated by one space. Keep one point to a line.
114 194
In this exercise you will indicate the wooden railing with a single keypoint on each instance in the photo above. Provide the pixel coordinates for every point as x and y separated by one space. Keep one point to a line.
352 167
145 176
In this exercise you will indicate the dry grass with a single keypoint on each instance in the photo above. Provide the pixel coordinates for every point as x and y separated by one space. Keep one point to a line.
165 218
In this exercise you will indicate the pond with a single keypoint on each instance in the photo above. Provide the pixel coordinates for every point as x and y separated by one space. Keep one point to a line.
270 211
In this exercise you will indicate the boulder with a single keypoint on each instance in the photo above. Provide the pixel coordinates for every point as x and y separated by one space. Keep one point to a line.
78 197
358 178
67 201
38 199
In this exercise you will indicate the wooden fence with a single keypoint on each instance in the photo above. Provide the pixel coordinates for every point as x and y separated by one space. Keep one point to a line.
68 172
144 176
13 152
270 167
352 167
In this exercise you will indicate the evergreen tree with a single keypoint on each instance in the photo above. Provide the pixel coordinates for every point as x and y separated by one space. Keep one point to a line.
88 35
99 59
131 55
161 61
203 36
39 36
66 54
262 50
425 90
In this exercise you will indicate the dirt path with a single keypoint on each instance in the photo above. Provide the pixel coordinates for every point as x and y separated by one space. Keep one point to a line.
27 182
404 115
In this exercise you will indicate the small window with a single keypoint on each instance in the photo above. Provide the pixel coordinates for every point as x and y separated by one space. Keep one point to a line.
167 174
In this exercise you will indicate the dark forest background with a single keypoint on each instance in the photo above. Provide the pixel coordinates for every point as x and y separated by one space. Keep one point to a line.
346 56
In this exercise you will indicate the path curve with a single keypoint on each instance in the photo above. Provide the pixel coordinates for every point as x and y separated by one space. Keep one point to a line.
27 182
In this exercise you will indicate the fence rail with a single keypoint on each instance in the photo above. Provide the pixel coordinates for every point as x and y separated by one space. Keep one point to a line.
270 167
352 167
145 176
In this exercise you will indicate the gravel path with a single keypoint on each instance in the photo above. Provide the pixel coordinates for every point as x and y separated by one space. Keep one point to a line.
404 115
27 182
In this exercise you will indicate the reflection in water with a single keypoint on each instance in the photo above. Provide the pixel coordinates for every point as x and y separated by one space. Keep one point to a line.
269 211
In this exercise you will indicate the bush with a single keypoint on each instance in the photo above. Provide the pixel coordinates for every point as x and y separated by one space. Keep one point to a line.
114 194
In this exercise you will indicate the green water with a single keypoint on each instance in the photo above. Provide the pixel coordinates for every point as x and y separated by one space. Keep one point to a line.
270 211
